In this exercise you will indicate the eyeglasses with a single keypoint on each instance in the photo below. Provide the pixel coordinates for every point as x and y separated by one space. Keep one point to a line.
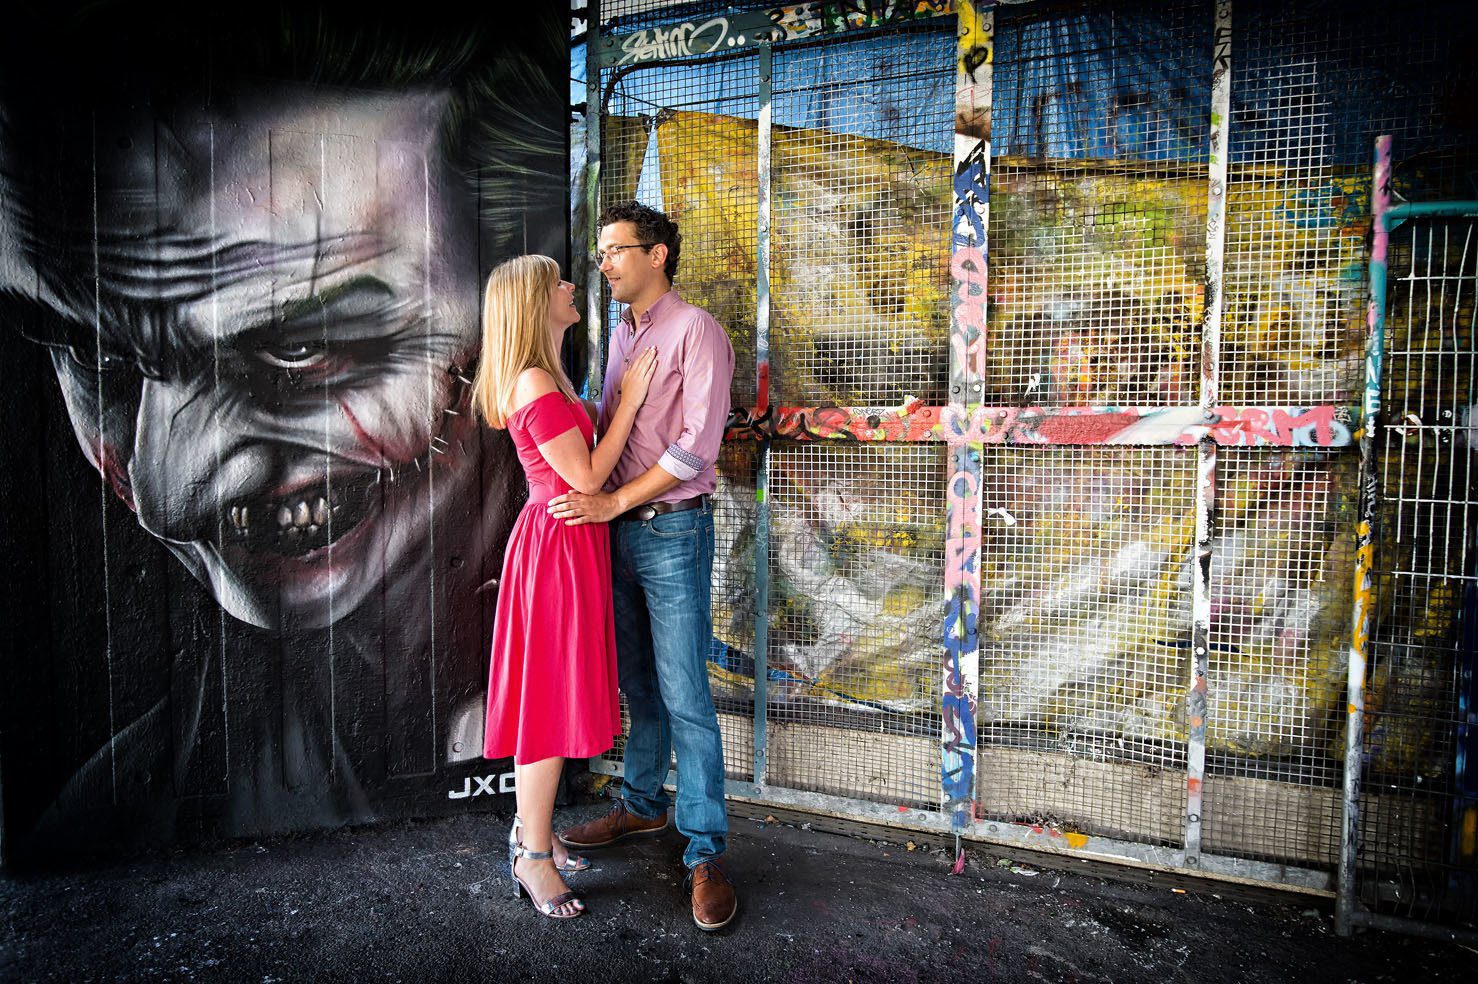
614 251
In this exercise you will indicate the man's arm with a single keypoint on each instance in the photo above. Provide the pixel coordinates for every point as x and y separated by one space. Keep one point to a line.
577 509
708 371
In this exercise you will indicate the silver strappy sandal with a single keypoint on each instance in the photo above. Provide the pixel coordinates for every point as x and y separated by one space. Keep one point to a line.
549 907
573 862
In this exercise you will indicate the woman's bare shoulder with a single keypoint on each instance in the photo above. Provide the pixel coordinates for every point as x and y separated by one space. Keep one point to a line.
532 384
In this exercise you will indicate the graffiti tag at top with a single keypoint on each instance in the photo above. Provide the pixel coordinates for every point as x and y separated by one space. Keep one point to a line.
785 23
674 42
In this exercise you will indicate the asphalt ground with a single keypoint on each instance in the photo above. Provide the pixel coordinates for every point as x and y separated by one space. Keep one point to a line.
430 901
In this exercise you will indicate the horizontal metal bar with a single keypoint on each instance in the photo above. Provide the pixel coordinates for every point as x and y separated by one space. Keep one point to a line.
1428 575
1410 927
1215 866
1035 838
794 22
1323 426
1398 214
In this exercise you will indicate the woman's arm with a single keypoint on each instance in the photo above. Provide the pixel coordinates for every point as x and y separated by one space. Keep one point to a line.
567 454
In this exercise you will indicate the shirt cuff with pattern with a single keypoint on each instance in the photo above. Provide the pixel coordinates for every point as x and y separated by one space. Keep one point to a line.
681 463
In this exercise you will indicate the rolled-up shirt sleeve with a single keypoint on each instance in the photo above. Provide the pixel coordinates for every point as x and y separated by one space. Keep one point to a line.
707 370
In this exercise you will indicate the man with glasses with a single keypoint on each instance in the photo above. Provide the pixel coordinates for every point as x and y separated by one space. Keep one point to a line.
662 552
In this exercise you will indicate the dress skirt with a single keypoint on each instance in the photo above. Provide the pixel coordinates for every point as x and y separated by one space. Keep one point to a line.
552 682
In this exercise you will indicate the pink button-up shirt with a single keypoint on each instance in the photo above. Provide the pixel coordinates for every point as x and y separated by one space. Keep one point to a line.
681 424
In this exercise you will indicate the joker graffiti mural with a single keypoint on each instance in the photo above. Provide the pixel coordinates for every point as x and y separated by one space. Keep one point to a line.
255 265
252 362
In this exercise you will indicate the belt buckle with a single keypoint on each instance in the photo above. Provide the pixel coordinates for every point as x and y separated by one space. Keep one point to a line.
646 512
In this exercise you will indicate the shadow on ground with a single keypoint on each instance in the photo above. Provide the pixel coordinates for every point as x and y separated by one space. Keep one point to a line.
429 901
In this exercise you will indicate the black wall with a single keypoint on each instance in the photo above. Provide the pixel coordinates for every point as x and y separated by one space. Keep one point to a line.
250 532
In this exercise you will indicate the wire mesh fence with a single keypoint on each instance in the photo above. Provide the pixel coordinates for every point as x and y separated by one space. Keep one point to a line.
1098 204
731 666
861 222
1294 331
855 570
1100 166
1298 197
684 140
1085 606
1280 616
1417 851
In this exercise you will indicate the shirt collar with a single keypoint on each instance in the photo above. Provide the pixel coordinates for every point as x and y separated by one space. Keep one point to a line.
663 302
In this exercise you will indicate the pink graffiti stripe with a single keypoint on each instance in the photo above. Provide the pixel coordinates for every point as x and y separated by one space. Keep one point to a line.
1285 427
968 267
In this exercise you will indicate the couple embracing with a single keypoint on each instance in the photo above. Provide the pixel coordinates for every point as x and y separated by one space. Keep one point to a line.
604 586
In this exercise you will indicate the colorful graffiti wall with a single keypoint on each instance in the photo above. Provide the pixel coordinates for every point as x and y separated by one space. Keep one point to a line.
252 531
1060 308
1079 318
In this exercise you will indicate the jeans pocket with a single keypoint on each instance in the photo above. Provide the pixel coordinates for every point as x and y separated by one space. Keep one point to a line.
671 526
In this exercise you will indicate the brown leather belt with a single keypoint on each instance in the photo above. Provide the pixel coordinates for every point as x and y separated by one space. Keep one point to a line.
651 509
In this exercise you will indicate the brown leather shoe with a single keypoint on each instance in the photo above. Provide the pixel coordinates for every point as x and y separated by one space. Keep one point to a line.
714 901
617 825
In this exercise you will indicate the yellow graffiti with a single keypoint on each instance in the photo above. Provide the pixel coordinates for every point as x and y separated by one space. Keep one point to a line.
1096 296
975 35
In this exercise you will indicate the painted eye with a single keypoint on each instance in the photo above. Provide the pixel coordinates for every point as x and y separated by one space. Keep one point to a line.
93 360
304 356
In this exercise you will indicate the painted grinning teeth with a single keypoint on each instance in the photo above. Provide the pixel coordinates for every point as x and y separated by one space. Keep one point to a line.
303 524
301 516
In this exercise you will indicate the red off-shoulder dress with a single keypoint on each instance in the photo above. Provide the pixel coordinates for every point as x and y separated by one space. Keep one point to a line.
552 684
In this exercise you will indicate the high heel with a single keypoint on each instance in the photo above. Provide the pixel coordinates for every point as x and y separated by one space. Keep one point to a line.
573 862
550 906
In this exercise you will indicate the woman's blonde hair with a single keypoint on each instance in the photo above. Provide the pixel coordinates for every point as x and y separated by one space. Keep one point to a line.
515 334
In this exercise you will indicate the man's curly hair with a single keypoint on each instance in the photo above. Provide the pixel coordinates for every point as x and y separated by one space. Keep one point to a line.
652 226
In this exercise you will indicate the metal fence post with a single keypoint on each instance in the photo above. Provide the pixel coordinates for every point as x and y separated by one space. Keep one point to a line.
761 412
1221 105
1363 616
961 684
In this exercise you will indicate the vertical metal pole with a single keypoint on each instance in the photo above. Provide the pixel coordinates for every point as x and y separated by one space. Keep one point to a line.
960 691
762 405
595 315
1200 648
1221 103
1363 616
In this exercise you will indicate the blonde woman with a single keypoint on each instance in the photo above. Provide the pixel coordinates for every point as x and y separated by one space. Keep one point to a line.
552 685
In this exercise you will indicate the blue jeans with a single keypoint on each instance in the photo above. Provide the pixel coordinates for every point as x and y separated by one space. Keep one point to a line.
661 570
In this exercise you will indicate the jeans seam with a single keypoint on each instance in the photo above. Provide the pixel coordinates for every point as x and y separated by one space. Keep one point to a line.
704 858
626 805
654 531
680 534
